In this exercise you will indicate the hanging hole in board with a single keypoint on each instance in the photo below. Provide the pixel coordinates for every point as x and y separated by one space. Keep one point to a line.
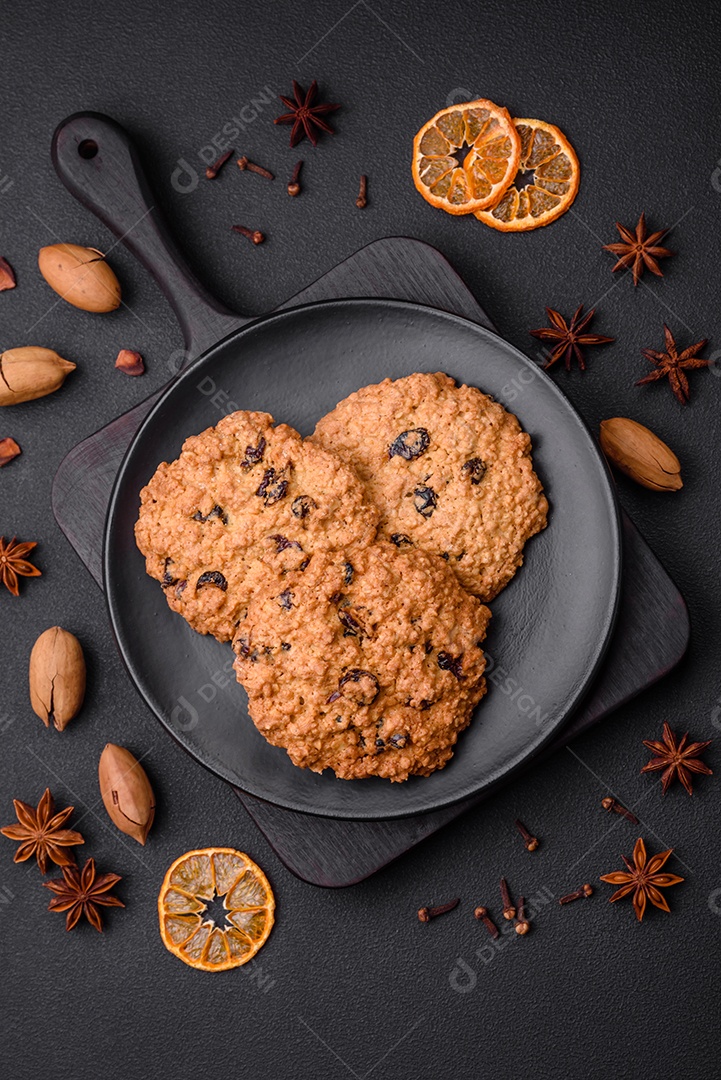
88 148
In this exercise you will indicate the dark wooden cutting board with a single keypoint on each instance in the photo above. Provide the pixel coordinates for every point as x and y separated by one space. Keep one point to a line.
650 637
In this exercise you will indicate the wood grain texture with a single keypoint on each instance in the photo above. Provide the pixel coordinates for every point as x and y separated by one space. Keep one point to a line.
97 162
338 853
110 182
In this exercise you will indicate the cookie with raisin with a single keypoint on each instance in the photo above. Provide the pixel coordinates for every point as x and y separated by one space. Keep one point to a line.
369 663
449 469
245 503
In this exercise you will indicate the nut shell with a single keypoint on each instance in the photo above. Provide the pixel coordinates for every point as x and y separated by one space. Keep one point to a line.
31 372
640 454
81 276
130 362
57 677
126 792
9 449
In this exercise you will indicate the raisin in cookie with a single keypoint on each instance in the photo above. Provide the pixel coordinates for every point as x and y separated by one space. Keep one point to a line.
369 662
245 503
449 469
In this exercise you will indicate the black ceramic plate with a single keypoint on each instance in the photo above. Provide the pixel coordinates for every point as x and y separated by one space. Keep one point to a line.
549 627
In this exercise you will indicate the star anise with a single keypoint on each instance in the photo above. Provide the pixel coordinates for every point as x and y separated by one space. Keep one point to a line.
41 833
304 115
677 758
13 564
83 892
672 364
639 250
569 337
643 880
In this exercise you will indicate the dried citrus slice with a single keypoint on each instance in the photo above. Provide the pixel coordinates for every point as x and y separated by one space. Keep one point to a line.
490 163
194 882
538 199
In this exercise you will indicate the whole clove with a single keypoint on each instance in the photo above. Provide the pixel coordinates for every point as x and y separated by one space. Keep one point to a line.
212 171
253 234
243 163
614 806
294 187
522 923
583 893
362 200
530 841
481 913
425 914
509 911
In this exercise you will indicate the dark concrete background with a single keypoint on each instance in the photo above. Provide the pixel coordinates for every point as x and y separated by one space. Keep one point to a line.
349 982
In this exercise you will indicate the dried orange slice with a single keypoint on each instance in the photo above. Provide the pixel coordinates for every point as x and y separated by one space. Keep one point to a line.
537 200
490 164
191 886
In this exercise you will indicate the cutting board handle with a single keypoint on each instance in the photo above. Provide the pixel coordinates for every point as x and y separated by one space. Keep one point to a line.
98 164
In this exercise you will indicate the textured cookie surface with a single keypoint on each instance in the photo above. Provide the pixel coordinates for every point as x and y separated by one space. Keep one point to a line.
368 662
449 469
245 503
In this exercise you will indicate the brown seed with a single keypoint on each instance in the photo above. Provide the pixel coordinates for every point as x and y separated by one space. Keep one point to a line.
130 362
81 276
641 455
126 792
7 275
9 449
31 372
362 200
57 677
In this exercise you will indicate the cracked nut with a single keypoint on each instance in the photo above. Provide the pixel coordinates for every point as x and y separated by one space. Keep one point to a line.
130 362
7 276
640 454
9 450
57 677
126 792
31 372
81 276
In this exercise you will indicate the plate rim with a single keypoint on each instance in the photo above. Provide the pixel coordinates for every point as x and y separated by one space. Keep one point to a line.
525 757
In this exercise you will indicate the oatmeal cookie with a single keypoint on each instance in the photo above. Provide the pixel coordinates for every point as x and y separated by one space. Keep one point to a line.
369 662
245 503
449 469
